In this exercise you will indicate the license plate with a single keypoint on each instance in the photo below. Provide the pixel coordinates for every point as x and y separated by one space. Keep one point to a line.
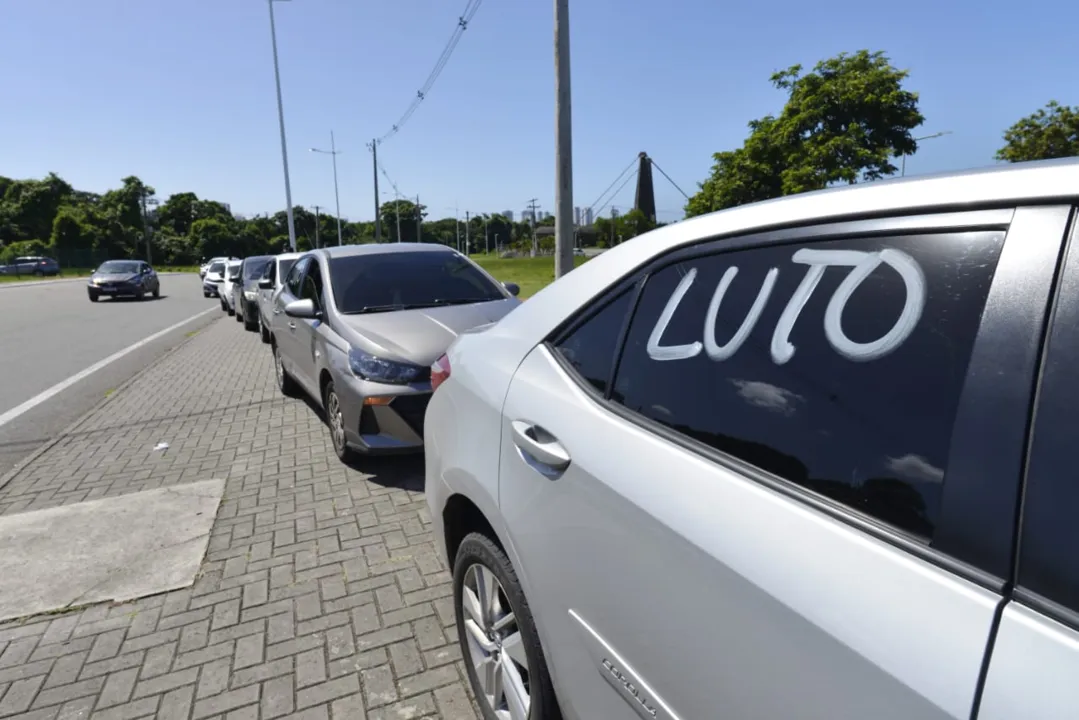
106 290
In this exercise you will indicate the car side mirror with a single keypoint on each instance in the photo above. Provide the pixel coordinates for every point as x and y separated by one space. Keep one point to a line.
514 288
265 284
304 309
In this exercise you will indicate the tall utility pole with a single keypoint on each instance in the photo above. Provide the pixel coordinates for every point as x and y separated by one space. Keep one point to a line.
419 221
146 224
374 167
467 245
486 237
532 207
457 226
317 223
281 122
563 173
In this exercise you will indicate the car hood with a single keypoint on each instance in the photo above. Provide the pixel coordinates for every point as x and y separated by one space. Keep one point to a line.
114 277
420 336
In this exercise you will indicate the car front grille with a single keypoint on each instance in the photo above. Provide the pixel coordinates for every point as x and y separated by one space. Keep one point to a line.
412 408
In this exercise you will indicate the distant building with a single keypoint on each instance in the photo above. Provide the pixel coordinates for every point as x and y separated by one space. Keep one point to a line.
547 215
588 216
508 214
577 216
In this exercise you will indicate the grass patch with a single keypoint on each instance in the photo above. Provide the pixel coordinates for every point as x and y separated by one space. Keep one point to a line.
191 333
531 273
109 392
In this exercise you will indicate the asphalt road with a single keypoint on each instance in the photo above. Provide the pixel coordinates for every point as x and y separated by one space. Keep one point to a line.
51 335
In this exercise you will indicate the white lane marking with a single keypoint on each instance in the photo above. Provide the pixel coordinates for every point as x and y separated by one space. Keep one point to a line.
59 387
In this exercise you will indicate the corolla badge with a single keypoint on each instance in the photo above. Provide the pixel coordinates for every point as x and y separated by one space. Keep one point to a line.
629 687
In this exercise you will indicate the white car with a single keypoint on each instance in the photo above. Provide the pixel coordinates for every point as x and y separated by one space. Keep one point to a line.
806 458
211 281
269 284
229 277
204 267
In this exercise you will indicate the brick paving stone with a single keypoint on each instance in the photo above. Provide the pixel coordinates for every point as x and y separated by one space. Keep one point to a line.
320 596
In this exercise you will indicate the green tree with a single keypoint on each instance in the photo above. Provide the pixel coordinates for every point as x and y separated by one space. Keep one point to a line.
843 122
1051 132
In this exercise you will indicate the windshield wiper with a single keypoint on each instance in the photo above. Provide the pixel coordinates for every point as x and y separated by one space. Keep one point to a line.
375 309
465 301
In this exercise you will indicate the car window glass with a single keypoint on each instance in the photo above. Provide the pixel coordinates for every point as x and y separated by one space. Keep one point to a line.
392 278
217 267
312 285
852 396
285 268
591 346
295 275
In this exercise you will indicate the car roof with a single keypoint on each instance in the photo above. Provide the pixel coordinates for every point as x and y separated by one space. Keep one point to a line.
381 249
289 255
999 186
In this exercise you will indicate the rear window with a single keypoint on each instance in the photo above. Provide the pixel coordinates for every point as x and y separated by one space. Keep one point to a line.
403 280
254 268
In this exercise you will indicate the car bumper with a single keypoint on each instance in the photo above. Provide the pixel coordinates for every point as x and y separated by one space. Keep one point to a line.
212 288
383 419
115 290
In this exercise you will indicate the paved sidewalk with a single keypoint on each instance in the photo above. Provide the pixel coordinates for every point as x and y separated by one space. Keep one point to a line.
321 595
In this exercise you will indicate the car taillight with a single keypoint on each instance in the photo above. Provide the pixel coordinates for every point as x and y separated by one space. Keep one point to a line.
440 371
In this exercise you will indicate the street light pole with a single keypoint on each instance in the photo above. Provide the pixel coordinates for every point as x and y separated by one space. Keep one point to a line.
334 152
903 163
563 238
281 122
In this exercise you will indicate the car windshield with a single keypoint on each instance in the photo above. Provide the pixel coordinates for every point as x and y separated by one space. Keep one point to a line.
119 266
217 267
404 280
253 269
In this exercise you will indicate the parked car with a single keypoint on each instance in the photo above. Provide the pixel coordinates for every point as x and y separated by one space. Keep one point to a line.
245 292
120 278
215 275
356 327
31 265
229 278
268 285
802 458
205 267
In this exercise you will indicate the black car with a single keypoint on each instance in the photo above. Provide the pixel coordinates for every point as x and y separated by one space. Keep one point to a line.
116 278
245 298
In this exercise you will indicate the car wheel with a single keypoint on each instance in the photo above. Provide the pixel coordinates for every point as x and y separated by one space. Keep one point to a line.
157 292
39 273
229 310
205 294
93 297
224 308
285 383
336 422
140 295
503 656
250 323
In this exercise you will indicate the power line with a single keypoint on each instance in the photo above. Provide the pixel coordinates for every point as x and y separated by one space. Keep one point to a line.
672 182
604 193
624 183
462 24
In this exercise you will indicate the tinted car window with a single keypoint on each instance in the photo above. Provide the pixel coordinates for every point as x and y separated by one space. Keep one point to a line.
1048 557
852 394
253 269
399 280
295 276
217 267
120 266
312 285
591 346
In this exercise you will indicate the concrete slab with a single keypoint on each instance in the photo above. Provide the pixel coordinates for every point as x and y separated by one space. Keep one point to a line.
117 548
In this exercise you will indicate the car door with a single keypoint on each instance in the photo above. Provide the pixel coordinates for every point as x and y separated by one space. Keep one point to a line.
284 327
1035 657
305 330
265 295
760 510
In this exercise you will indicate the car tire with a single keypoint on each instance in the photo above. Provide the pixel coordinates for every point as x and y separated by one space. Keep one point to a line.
140 295
157 292
94 297
250 323
331 403
238 314
229 310
263 332
479 556
285 383
39 273
205 294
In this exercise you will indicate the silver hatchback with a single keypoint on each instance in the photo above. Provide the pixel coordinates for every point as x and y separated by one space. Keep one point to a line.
357 327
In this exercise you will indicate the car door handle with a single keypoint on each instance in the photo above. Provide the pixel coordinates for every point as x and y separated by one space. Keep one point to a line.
292 325
277 311
541 445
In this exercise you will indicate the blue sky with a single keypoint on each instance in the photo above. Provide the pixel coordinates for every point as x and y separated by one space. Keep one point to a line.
181 93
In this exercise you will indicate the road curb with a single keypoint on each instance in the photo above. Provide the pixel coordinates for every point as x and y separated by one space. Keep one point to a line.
70 428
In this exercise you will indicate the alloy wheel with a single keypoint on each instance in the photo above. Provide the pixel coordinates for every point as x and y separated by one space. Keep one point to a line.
495 646
337 422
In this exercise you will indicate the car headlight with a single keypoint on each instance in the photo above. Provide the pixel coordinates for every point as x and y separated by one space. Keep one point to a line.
251 294
371 367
